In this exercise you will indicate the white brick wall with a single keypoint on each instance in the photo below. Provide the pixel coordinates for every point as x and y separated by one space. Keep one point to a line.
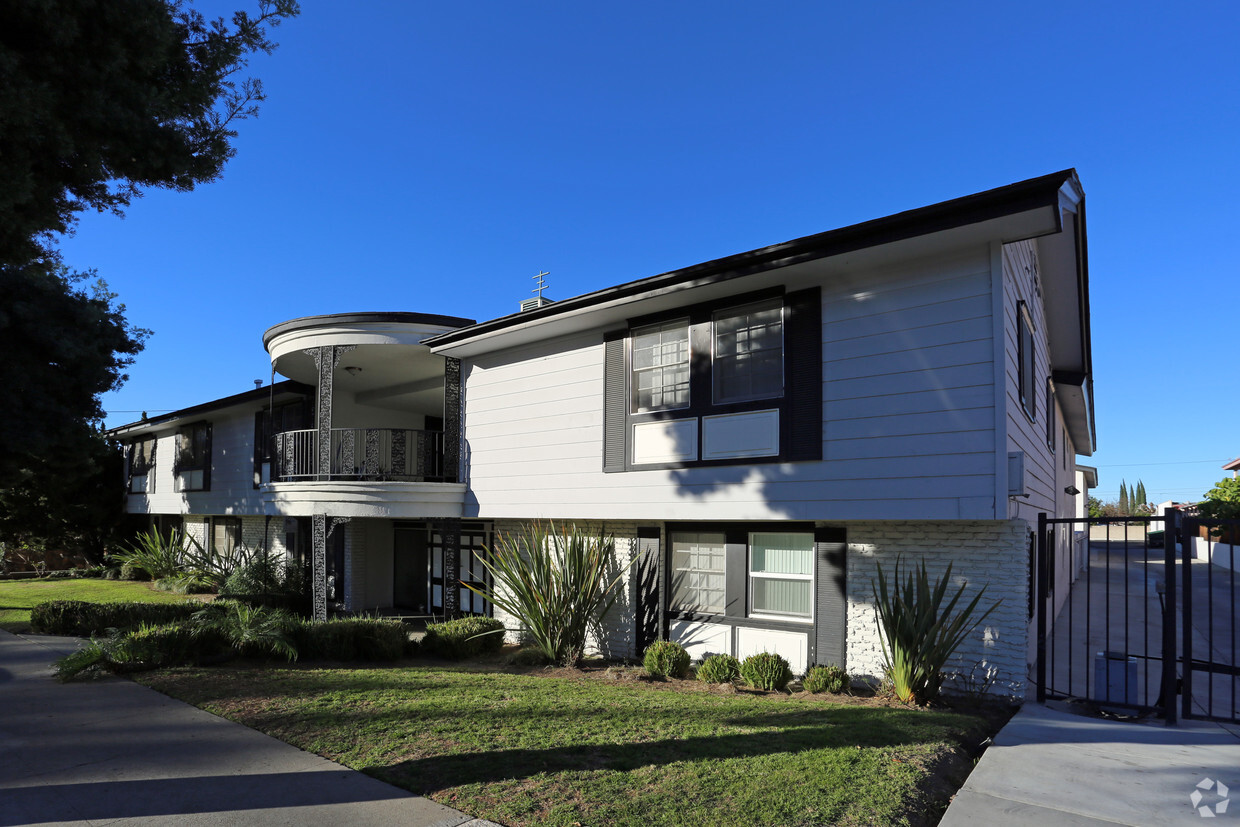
618 627
992 554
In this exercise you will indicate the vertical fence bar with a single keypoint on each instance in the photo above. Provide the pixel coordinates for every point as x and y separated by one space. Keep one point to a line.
1186 619
1171 523
1209 626
1040 607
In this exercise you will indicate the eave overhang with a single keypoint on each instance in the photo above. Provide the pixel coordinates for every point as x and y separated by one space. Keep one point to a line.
1028 209
280 391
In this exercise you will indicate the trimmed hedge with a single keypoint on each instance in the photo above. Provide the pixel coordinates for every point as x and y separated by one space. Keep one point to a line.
465 637
356 638
719 668
665 658
766 670
82 618
830 678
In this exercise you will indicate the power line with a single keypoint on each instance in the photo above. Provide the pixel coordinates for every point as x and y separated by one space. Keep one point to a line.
1144 464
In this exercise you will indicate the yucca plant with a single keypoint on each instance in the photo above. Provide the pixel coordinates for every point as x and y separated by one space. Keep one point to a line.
919 632
157 554
559 582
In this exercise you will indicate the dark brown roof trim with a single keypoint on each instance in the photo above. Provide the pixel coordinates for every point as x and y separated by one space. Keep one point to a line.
257 395
946 215
364 318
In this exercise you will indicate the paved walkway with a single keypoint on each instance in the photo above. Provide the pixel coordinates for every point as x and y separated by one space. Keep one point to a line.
112 752
1053 767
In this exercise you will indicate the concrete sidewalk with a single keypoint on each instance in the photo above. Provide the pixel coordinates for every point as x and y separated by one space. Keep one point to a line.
112 752
1053 767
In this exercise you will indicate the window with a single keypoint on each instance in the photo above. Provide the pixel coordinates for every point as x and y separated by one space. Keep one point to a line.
763 571
781 572
1024 355
141 463
726 382
698 570
193 457
749 352
225 535
661 366
1051 430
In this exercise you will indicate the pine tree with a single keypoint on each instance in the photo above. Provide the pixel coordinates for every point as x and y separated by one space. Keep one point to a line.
1123 498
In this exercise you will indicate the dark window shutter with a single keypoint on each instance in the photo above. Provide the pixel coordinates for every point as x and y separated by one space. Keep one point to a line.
177 450
649 560
206 461
615 402
150 474
831 611
802 426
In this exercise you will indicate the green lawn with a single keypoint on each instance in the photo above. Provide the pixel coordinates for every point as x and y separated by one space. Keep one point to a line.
18 597
536 749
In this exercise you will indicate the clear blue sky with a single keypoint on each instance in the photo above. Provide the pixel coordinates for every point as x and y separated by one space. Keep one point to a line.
433 157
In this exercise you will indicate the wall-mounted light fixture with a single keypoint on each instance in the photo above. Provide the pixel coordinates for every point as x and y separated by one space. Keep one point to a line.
1072 491
352 370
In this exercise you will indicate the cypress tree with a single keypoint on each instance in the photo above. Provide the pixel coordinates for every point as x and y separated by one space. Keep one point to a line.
1123 498
1141 498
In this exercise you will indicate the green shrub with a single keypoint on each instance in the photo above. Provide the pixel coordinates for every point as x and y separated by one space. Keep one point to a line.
130 571
149 646
557 582
829 678
266 580
352 639
251 630
918 632
666 658
465 637
81 618
719 669
766 670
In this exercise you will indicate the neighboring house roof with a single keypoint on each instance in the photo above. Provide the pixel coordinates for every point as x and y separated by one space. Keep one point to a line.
1090 474
1234 465
257 395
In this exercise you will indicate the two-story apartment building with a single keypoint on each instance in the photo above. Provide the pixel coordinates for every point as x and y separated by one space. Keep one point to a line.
761 431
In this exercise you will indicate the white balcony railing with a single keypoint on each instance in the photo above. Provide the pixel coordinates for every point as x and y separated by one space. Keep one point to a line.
397 454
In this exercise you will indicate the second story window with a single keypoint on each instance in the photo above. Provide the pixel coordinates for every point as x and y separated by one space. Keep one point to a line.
1024 358
141 464
193 457
661 366
749 352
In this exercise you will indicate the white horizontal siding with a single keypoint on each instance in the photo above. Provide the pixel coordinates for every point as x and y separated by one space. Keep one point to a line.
909 420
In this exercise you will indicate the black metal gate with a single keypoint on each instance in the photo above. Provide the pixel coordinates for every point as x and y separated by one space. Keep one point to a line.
1129 612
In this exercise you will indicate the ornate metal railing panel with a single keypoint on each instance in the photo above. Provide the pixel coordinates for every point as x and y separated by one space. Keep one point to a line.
397 454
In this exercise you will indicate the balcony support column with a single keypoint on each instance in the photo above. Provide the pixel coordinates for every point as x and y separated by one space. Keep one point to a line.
450 537
326 358
323 528
451 420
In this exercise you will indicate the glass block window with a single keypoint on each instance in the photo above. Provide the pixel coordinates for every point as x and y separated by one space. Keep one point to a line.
749 352
781 573
661 366
698 569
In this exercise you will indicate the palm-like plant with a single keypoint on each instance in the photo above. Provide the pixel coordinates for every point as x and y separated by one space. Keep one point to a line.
251 630
559 582
919 632
159 555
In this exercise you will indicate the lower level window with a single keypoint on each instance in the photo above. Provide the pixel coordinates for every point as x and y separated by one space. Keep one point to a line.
699 564
781 573
225 534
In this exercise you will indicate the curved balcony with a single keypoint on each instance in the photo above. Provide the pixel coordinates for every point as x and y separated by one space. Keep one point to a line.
366 454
